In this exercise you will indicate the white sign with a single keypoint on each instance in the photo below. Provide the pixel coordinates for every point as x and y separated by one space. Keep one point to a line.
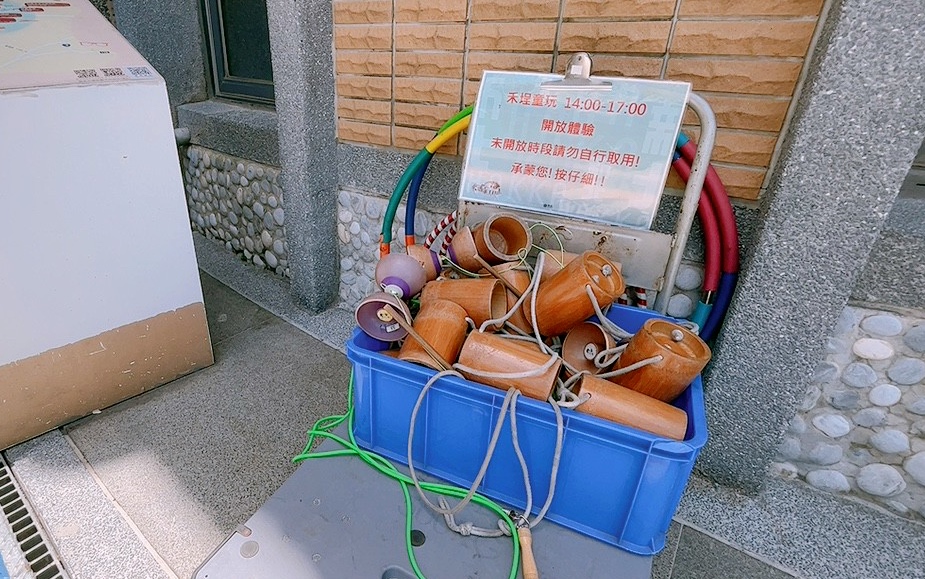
591 153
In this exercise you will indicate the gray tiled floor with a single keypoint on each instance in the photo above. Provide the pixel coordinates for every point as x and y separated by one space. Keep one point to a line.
700 556
191 460
148 488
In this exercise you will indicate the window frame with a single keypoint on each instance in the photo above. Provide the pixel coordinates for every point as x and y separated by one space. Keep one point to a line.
225 85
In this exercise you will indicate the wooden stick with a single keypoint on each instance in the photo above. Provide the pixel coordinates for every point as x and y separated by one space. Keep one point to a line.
497 276
414 334
527 562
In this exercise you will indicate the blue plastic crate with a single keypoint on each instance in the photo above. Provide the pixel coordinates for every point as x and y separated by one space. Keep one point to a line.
615 483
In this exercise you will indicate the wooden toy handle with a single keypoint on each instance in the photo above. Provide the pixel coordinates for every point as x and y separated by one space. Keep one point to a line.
527 562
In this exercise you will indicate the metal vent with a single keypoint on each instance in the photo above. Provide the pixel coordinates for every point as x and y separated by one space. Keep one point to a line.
33 541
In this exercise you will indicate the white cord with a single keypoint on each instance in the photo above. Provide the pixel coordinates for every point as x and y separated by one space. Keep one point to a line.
567 399
631 367
613 328
507 316
538 371
491 445
510 402
602 360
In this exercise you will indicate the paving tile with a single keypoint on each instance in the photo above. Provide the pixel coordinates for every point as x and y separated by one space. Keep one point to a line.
815 534
700 556
663 563
423 11
91 536
362 11
191 460
228 312
333 326
441 64
427 90
362 62
363 36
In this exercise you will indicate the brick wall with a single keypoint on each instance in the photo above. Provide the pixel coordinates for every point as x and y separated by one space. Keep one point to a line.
405 66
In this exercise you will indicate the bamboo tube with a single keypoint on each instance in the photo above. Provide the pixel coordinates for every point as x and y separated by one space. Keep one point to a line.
442 324
501 238
683 354
519 279
630 408
462 250
429 260
563 301
483 299
555 262
583 343
490 353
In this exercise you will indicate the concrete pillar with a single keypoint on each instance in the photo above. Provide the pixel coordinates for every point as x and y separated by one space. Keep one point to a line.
170 36
301 41
858 125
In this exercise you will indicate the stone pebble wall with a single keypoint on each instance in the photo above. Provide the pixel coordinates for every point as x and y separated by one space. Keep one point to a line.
861 426
359 221
239 203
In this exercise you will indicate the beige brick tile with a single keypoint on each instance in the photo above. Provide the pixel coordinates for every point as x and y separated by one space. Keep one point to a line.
749 76
363 36
363 62
362 11
471 91
619 9
632 37
364 133
617 65
364 87
427 90
674 181
762 37
364 110
482 61
520 36
515 10
423 116
430 36
744 193
750 7
740 147
416 139
440 64
429 11
740 182
746 112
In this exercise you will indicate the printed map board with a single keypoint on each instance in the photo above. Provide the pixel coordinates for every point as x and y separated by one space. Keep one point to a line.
63 43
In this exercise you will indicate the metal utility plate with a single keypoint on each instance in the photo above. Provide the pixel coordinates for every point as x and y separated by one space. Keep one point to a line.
642 253
336 518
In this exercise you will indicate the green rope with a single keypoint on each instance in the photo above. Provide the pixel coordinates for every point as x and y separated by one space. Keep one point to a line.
322 429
